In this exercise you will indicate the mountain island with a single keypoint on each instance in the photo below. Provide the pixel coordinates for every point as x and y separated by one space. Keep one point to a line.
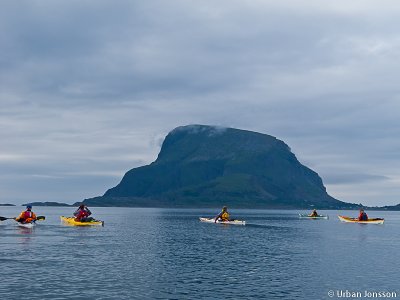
209 166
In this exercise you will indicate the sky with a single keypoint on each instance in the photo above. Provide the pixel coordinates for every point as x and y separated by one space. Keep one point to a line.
89 89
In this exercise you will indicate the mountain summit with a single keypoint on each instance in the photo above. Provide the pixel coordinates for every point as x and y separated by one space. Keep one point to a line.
208 166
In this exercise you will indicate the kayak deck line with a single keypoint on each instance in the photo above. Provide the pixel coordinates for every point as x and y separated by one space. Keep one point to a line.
355 220
212 220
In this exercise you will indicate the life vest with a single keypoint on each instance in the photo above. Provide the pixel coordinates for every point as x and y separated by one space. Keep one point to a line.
81 214
28 214
225 216
26 217
363 217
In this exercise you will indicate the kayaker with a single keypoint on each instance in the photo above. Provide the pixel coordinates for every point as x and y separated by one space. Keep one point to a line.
363 215
223 215
314 213
82 214
26 216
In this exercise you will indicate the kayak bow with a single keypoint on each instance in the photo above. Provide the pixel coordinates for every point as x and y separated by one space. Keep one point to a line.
355 220
26 225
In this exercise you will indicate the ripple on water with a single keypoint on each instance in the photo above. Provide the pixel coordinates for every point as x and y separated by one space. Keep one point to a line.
169 254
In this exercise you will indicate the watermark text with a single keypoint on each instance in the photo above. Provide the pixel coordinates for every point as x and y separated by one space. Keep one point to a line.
343 294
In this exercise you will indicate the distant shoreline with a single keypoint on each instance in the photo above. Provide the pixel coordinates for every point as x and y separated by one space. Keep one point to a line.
249 208
56 204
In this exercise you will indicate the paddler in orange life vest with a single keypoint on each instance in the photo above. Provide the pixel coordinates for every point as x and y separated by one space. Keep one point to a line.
82 214
362 216
314 213
26 216
223 215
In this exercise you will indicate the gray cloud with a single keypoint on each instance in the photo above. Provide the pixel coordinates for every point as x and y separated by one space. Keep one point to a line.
88 89
352 178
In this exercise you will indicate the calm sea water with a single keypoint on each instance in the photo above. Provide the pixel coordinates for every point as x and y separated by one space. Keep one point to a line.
169 254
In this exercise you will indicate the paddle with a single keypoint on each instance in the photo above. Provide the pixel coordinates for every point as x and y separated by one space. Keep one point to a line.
38 218
4 218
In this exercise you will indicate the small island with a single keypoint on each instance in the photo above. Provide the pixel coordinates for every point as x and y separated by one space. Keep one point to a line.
209 166
6 204
47 204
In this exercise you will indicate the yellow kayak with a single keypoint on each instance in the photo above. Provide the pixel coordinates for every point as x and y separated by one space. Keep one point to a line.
71 221
355 220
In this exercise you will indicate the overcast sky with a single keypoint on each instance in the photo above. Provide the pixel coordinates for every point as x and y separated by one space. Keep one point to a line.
89 89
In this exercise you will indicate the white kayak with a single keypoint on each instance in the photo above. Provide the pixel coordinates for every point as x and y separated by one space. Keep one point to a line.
212 220
26 225
303 216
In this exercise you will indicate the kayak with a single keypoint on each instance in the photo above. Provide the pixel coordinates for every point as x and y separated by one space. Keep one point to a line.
26 225
212 220
71 221
355 220
304 216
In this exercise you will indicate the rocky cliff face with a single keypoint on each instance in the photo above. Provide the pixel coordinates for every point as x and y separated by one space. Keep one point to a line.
206 166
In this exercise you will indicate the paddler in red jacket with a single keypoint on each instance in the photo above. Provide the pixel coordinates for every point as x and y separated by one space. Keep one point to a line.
26 216
363 216
82 214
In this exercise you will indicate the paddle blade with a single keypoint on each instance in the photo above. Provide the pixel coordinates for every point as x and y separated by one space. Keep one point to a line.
40 218
3 218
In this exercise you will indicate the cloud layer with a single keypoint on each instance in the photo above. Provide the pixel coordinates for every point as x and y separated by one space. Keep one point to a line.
88 89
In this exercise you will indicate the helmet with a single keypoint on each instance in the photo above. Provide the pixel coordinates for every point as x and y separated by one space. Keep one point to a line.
82 206
29 206
224 208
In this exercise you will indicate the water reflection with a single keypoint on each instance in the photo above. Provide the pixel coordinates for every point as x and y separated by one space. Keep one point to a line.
161 253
